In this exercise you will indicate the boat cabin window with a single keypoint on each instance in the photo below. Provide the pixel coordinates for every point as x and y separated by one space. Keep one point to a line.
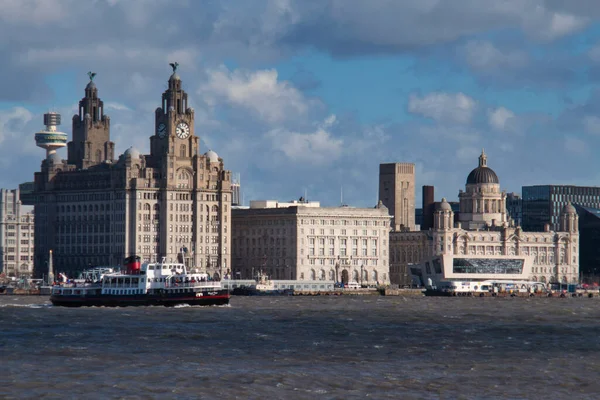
151 267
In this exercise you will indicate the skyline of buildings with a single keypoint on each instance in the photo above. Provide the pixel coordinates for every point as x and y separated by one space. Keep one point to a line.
93 209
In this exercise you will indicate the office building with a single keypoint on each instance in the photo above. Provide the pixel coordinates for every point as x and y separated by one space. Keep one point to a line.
542 204
514 208
397 192
93 209
303 241
16 235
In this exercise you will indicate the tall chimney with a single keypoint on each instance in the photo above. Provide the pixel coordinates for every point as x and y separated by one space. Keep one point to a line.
428 201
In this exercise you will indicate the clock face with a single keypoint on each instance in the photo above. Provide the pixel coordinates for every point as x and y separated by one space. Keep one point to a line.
161 130
183 130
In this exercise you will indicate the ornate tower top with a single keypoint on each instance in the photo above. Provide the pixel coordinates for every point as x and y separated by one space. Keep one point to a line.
483 159
91 143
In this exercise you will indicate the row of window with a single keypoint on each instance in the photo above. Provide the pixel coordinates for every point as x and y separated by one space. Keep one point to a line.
331 252
13 227
9 257
343 222
23 234
355 262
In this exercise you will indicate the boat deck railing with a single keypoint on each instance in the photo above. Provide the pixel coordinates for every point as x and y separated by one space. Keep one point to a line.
201 284
79 284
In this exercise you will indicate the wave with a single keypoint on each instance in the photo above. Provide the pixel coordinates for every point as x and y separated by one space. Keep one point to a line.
14 305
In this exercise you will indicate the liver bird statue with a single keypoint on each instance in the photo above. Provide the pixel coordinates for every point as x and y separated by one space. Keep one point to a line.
174 66
91 75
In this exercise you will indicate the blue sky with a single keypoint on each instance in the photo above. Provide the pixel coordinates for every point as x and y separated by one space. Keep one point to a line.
303 95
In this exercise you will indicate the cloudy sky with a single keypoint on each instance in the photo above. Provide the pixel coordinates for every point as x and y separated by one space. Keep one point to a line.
312 95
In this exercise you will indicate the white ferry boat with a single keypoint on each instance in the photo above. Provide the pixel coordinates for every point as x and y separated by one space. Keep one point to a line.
480 288
160 284
262 286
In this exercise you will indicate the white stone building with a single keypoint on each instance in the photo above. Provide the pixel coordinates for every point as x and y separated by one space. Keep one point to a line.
16 235
484 243
302 241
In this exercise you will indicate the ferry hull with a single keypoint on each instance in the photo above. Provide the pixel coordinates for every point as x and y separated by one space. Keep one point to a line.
255 292
220 297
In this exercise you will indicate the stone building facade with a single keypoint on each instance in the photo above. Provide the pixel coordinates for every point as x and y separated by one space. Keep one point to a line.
16 235
298 242
484 231
175 202
397 192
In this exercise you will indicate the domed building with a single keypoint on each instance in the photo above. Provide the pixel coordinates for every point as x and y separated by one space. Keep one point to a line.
482 203
482 243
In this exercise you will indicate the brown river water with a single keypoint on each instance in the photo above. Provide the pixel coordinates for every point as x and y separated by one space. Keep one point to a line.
338 347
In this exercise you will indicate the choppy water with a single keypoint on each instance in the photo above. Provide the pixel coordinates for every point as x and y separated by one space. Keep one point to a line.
304 348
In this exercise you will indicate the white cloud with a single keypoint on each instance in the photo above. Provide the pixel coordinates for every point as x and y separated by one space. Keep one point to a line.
500 118
591 124
37 12
109 105
318 147
553 25
575 145
441 106
467 155
12 122
260 92
484 55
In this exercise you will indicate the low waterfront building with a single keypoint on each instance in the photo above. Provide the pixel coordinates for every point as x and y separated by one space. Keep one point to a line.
16 235
303 241
485 243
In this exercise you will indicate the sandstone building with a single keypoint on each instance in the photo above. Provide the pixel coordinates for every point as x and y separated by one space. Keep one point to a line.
397 192
486 241
303 241
94 209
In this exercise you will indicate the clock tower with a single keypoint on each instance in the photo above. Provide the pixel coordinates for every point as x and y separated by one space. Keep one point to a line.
173 136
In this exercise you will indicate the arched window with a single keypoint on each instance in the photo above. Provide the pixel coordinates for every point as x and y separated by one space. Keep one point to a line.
322 275
355 276
374 276
183 179
331 275
98 156
312 275
182 152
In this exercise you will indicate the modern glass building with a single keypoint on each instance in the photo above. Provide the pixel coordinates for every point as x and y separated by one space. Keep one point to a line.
589 252
542 204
